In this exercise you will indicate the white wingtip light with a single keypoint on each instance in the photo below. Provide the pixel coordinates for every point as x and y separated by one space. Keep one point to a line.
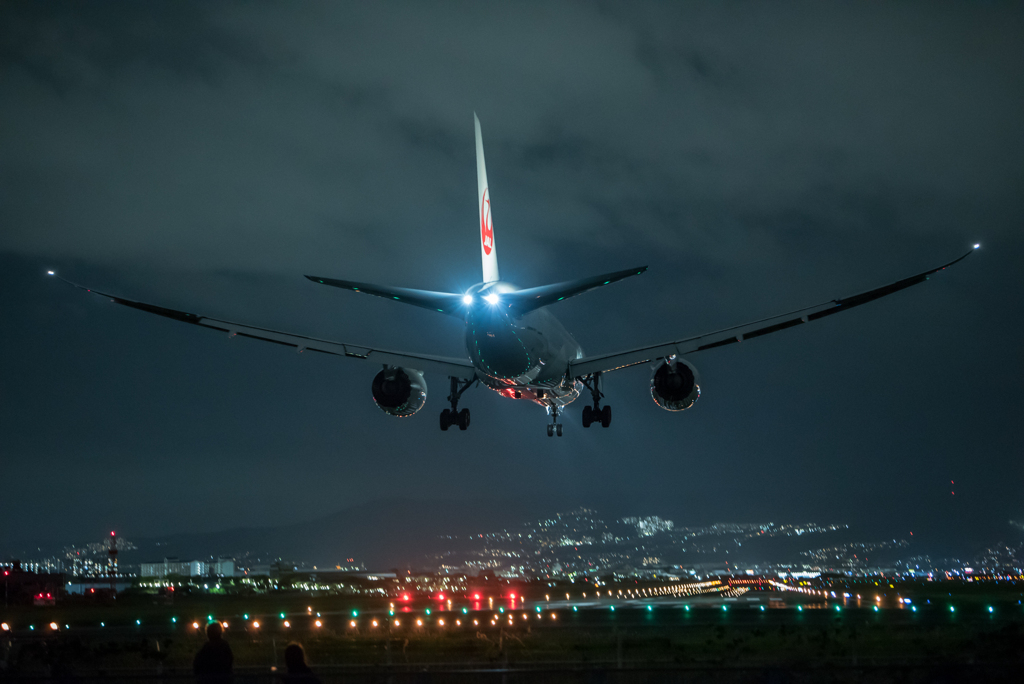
491 299
467 300
976 246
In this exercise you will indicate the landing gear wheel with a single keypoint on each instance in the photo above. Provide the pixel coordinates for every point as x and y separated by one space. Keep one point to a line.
588 416
446 419
463 418
551 429
606 416
558 429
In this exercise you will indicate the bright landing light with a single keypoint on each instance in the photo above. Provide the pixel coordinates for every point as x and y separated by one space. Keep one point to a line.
467 300
492 299
975 247
49 273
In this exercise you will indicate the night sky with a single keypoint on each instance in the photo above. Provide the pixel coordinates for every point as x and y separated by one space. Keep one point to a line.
758 158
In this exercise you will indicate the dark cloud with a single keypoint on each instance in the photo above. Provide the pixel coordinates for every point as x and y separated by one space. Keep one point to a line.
757 157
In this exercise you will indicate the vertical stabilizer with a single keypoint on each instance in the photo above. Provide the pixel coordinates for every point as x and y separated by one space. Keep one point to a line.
487 250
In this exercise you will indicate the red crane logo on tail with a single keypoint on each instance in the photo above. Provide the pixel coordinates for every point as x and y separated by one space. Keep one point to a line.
486 229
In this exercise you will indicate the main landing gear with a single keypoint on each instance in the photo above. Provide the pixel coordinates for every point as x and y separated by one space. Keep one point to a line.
596 414
454 416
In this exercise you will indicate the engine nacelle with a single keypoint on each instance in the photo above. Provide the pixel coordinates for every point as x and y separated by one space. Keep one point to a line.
399 391
675 385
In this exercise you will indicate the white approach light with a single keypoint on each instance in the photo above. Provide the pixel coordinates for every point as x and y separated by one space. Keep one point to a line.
492 299
467 300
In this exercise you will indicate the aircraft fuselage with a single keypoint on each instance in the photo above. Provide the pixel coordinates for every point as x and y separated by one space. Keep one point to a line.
523 356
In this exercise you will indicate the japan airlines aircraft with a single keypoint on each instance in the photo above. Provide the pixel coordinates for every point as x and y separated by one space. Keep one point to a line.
515 345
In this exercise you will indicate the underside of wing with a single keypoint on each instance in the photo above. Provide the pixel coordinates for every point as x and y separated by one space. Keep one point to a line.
720 338
443 302
454 367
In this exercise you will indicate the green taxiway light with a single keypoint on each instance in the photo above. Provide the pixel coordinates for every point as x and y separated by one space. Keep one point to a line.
649 608
209 618
762 607
466 610
686 607
613 608
501 609
991 609
281 615
428 611
103 624
800 608
246 616
875 608
138 622
355 613
574 609
174 619
838 609
952 609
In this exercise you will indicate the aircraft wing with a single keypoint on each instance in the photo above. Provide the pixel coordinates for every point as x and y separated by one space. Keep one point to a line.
739 333
454 367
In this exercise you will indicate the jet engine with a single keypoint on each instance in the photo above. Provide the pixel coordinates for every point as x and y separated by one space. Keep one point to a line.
675 385
399 391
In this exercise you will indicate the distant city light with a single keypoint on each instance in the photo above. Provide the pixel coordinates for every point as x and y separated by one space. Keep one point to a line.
287 624
255 624
320 624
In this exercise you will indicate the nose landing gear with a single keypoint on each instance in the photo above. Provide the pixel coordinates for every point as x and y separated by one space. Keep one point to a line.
554 427
454 416
596 414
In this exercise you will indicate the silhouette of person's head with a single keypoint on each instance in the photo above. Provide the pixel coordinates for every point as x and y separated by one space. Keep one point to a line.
295 658
214 631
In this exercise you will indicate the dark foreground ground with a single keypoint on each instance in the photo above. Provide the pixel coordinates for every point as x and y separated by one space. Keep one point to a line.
763 637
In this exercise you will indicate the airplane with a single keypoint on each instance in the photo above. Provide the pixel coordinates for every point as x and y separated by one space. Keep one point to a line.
515 345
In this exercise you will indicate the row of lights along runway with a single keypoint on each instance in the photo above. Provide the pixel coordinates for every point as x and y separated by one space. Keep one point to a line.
548 611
